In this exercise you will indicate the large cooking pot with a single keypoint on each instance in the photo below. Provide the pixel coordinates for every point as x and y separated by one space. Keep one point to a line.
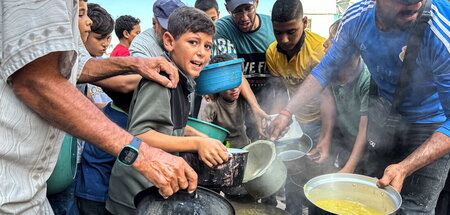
255 208
228 174
264 174
201 202
293 153
355 188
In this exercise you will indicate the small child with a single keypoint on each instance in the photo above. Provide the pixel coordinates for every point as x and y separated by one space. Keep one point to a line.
227 111
127 28
158 115
210 7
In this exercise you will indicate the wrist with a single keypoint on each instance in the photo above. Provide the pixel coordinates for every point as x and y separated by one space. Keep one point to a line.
284 112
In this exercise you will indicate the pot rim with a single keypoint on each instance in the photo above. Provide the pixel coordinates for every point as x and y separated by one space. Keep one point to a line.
272 158
210 124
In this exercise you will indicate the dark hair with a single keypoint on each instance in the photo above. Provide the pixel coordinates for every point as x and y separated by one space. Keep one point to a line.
84 0
125 23
220 58
334 26
102 22
121 100
206 5
188 19
287 10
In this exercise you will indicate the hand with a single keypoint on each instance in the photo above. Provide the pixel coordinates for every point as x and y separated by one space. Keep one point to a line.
320 153
150 68
211 151
259 116
167 172
394 175
346 170
192 132
279 126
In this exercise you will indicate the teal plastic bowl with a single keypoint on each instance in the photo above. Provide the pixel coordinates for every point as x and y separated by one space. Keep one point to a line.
66 167
219 77
213 131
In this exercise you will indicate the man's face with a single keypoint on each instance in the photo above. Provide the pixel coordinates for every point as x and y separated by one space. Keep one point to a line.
159 30
134 32
96 44
397 16
190 52
289 33
213 13
84 22
245 16
231 95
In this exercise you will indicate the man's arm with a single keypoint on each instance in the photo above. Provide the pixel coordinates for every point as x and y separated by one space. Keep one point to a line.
328 116
358 147
41 86
120 83
149 68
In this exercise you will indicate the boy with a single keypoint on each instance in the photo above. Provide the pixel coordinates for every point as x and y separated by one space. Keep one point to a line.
210 7
227 111
127 28
159 115
351 94
291 58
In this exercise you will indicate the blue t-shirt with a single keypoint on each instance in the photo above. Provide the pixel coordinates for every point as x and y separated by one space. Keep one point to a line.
428 100
96 164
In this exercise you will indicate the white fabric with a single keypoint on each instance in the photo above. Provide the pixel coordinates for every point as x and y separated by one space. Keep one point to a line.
29 145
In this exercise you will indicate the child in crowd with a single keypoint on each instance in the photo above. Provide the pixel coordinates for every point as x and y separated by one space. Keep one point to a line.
351 95
291 58
127 28
210 7
158 115
226 110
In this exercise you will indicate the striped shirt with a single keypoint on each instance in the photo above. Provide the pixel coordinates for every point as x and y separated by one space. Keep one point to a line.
29 145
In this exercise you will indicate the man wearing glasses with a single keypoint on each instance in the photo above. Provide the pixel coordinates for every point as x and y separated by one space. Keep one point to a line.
246 34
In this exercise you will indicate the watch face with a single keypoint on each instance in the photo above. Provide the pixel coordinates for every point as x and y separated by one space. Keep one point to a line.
128 155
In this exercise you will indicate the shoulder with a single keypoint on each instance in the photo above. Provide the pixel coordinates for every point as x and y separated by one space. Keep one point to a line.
272 49
440 22
224 24
314 40
355 13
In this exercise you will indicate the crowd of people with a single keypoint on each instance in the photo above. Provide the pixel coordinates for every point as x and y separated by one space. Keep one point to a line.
129 112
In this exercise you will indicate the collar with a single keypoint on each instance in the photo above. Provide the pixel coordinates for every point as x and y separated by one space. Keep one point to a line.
185 81
113 106
298 46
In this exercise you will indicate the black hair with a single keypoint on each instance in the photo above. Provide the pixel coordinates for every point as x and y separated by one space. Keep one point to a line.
121 100
125 23
102 22
206 5
220 58
84 0
188 19
287 10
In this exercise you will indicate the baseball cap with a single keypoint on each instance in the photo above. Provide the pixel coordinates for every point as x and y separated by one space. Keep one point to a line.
231 5
163 8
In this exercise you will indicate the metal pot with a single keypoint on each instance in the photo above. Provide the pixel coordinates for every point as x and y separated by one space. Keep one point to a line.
201 202
228 174
293 153
355 188
264 174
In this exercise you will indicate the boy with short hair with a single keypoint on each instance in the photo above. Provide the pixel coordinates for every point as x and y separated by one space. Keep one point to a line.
291 58
158 115
210 7
227 111
127 28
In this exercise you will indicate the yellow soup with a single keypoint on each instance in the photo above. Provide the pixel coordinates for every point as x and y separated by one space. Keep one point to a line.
344 207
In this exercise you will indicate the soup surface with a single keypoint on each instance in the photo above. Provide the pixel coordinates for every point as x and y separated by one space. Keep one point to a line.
344 207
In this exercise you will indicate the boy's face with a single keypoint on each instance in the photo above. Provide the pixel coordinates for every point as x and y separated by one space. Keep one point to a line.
96 44
230 95
134 32
327 45
190 52
84 22
213 13
288 33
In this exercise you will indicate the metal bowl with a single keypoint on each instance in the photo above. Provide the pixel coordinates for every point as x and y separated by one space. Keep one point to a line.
293 153
353 187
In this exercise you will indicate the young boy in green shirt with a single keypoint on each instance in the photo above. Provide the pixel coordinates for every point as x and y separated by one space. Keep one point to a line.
158 115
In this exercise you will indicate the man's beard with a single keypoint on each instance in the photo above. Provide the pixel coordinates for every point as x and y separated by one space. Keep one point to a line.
390 21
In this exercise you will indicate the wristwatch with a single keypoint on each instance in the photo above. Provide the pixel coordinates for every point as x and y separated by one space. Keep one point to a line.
129 153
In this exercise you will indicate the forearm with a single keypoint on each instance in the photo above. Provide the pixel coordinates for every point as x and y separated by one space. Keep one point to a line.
248 94
98 69
120 83
308 90
41 86
328 116
359 146
434 147
192 132
169 143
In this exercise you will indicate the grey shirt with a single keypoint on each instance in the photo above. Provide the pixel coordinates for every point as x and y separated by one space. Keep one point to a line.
147 44
229 115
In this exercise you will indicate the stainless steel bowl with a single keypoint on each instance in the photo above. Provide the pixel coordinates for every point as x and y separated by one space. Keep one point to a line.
353 187
293 153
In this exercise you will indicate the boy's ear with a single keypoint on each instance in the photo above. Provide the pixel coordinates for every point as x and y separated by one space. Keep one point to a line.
126 34
168 41
305 22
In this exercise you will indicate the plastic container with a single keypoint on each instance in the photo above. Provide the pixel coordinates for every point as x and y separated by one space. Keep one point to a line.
66 166
219 77
213 131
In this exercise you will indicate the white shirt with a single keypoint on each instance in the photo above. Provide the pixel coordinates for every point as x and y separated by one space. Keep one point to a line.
29 145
